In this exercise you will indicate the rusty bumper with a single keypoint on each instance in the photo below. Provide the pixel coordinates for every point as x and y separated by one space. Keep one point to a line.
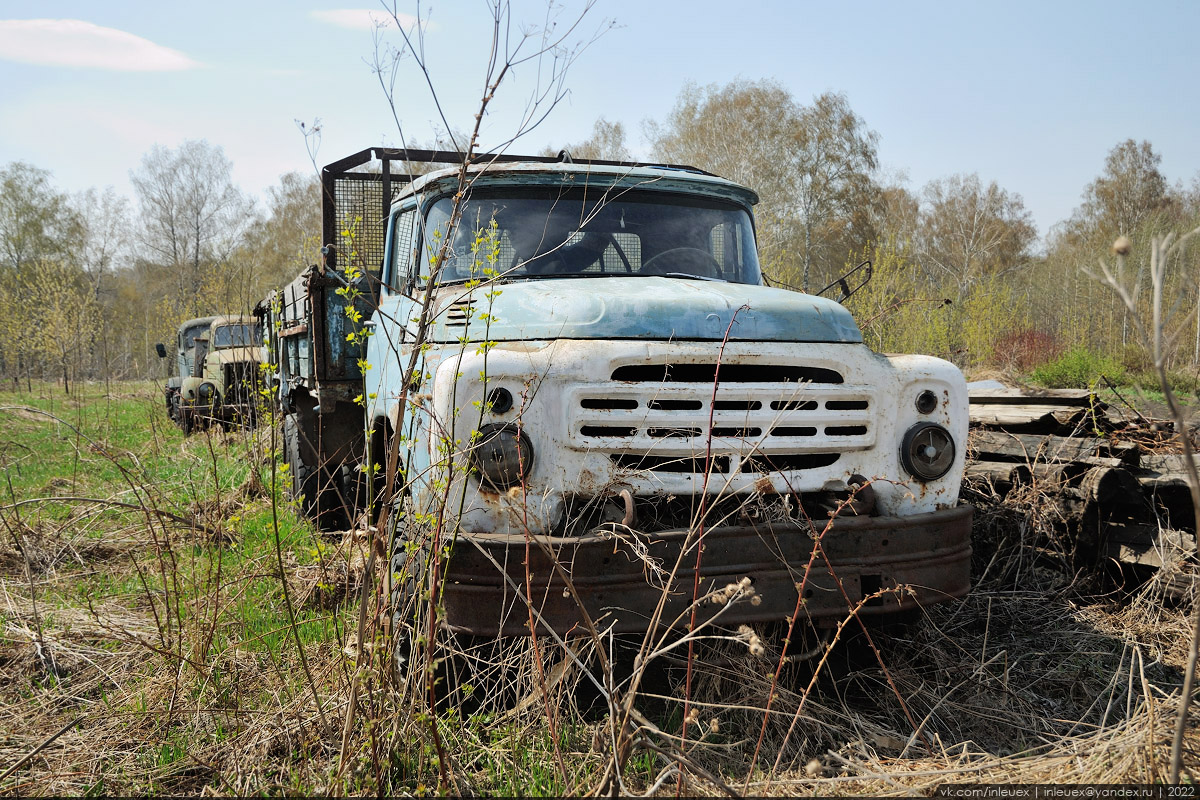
620 579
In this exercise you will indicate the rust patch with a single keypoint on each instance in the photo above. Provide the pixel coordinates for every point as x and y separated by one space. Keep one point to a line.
615 577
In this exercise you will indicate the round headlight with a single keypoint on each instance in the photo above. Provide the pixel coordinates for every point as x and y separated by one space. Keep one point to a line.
206 392
502 454
927 451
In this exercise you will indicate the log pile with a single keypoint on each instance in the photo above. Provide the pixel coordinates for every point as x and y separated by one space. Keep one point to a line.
1117 490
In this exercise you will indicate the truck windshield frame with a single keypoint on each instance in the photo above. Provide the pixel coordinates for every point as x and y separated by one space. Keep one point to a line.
524 233
237 335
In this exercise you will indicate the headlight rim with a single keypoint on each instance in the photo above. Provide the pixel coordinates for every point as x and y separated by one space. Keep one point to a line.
488 433
207 392
913 466
926 402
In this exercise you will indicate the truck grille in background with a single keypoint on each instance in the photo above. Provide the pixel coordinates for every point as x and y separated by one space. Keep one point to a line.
240 382
765 417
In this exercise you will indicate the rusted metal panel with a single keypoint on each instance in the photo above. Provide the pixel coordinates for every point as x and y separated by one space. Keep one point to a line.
619 583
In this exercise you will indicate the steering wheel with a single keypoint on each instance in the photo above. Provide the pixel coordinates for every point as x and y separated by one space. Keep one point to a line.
687 260
621 253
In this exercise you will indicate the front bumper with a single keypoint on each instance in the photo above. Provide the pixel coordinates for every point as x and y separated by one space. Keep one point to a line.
235 412
621 580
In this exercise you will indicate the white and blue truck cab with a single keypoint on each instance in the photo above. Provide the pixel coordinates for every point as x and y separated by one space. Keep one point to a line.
606 394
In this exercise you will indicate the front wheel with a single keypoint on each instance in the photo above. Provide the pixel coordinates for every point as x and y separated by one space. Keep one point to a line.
406 576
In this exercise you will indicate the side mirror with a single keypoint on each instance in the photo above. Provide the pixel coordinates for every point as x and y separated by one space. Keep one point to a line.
860 275
161 349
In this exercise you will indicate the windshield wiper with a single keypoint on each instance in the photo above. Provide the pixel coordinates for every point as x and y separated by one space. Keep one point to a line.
690 275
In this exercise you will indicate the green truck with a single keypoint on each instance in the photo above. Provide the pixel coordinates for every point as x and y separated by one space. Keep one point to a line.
217 362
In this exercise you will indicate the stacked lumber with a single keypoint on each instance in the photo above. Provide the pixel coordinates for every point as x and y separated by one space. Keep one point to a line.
1118 496
1053 411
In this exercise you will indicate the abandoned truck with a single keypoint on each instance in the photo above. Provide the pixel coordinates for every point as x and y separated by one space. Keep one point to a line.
217 359
185 359
605 383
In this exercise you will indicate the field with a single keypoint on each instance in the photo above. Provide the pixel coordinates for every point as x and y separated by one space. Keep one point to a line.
170 626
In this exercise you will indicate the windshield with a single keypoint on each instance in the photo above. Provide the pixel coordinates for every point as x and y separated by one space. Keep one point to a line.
554 234
190 334
237 336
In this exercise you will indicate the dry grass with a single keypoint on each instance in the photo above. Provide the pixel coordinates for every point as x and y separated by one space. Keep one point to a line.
1037 677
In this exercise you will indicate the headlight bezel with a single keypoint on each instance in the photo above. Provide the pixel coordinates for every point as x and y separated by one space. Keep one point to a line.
494 463
916 458
206 393
926 402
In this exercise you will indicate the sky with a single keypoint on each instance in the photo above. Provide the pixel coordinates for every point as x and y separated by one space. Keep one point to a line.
1031 95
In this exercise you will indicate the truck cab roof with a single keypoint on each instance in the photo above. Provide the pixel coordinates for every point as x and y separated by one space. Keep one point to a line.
653 177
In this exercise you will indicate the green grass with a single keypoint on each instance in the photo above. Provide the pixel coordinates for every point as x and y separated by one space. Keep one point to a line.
1081 368
218 697
215 602
1078 368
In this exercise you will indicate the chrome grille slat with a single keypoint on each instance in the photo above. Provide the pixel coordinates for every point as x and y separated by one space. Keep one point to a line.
628 419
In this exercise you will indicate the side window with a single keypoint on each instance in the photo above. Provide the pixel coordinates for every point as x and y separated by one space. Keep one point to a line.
402 250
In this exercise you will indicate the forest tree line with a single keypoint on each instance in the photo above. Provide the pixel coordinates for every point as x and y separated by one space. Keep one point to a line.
90 282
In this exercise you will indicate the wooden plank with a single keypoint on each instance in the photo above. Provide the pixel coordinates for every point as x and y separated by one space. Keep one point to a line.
1163 480
1040 417
1005 446
999 445
1146 544
1005 473
1080 398
1166 462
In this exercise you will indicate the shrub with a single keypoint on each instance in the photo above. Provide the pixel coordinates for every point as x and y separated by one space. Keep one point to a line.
1078 368
1024 349
1135 359
1185 384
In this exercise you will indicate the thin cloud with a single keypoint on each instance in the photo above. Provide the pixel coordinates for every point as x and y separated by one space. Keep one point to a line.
75 43
364 19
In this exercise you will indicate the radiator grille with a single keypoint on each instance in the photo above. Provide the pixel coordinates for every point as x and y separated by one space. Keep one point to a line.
241 380
766 418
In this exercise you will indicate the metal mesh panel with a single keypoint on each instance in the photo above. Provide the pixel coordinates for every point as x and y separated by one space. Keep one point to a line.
359 203
402 248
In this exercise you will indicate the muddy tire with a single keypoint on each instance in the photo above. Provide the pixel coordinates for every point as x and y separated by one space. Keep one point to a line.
301 474
314 487
173 406
405 571
453 668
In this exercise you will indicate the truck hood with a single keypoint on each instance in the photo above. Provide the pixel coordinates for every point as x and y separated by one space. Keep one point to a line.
650 307
234 355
